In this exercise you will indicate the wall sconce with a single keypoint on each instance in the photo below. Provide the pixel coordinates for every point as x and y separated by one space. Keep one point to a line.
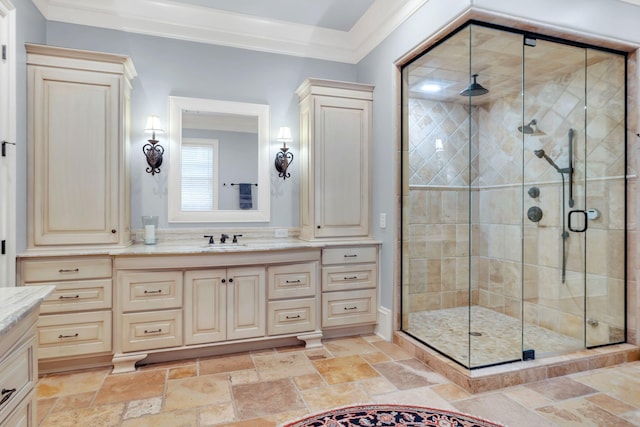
153 151
284 157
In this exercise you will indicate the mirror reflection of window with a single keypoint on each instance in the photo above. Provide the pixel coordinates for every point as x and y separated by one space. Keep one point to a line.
199 170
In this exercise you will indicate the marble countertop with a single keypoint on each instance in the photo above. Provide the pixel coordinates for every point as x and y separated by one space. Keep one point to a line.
186 247
17 302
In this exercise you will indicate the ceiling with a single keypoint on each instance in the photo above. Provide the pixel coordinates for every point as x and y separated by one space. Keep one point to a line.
337 30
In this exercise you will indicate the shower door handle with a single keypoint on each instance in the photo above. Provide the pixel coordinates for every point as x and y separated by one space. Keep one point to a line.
584 223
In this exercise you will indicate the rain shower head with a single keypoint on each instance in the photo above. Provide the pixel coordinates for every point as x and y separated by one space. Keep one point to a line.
542 155
474 88
529 128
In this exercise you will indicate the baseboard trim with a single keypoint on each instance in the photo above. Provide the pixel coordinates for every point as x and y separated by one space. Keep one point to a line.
384 328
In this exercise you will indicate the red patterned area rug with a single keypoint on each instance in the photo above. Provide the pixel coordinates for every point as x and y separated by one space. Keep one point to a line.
391 415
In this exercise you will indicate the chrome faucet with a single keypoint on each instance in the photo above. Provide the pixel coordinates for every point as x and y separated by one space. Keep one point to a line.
223 238
211 242
235 238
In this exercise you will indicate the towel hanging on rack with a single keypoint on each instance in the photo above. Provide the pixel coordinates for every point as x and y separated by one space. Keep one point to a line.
246 198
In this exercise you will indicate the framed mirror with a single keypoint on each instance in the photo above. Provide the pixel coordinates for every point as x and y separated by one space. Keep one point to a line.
218 161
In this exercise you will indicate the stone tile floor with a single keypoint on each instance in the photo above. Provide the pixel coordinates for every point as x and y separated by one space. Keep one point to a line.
268 388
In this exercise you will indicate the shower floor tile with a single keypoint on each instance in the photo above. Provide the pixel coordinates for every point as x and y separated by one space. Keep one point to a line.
491 337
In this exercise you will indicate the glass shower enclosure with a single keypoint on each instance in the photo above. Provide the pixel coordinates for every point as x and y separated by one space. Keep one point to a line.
513 201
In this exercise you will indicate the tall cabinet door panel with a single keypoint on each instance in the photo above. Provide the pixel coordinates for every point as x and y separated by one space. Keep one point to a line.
342 195
247 296
78 145
75 120
335 153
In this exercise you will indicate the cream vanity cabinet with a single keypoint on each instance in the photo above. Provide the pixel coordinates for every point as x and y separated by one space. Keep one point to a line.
18 364
75 319
349 285
224 304
335 139
292 293
184 305
78 143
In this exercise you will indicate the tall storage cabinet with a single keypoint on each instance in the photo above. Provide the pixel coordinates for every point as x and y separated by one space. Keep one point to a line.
78 142
335 175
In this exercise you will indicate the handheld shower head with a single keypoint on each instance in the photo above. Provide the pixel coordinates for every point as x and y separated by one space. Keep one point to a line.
542 155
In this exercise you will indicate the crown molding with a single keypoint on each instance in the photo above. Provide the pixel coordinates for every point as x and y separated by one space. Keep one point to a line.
165 18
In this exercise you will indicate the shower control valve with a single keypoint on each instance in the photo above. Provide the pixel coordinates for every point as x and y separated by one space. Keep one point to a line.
593 213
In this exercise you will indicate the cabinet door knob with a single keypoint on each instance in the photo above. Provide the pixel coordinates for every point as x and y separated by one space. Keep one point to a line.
224 280
113 231
231 280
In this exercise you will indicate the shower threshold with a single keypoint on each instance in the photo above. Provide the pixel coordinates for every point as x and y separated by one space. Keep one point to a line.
521 372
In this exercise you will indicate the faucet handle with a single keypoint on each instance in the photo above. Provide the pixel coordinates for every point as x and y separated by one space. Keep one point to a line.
223 238
235 238
211 242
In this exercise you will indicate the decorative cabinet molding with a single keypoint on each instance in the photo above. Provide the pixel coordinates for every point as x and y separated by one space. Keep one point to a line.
78 133
335 159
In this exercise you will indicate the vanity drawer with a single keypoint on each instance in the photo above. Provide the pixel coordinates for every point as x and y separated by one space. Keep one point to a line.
292 316
16 377
65 268
24 415
349 307
342 278
292 280
74 334
349 255
151 330
150 290
81 295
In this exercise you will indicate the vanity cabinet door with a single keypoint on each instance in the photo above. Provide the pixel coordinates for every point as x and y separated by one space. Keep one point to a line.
224 304
205 311
246 299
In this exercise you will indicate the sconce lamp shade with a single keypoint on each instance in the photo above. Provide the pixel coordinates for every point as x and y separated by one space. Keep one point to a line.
153 125
153 151
284 135
284 157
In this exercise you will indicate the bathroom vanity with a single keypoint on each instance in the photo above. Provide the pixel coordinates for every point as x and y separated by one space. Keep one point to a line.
19 308
185 299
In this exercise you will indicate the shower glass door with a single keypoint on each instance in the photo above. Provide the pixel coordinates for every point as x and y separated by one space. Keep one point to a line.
554 178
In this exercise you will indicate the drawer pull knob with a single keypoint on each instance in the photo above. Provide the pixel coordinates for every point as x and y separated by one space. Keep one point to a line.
159 291
351 308
153 332
293 281
350 256
6 394
69 270
66 297
297 316
68 336
350 277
